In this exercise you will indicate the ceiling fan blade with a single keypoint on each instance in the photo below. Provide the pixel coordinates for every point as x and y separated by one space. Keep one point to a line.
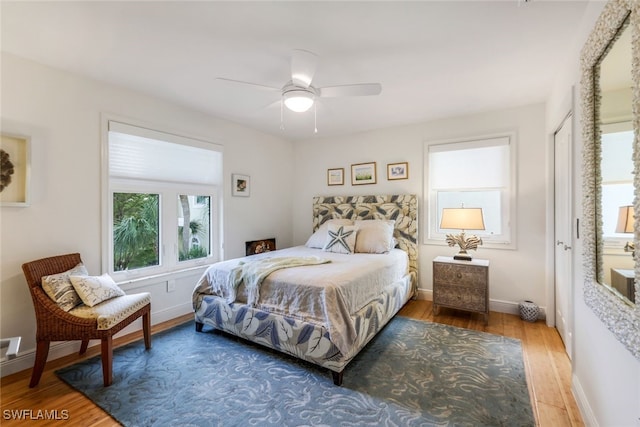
303 67
249 84
362 89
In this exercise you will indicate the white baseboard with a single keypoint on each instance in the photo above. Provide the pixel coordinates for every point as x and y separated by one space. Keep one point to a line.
583 403
26 358
425 294
499 306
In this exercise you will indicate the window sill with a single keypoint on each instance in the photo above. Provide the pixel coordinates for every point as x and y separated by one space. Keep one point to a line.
485 245
140 282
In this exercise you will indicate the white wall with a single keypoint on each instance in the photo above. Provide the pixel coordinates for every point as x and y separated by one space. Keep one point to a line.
515 275
606 377
62 114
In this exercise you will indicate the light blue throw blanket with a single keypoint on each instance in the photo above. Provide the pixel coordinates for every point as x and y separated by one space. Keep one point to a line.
253 273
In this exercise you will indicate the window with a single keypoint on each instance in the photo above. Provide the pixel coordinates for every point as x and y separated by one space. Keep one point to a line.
162 201
194 211
136 232
475 173
617 178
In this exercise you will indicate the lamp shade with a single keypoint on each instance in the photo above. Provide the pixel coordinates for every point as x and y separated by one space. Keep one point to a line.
625 219
462 219
298 100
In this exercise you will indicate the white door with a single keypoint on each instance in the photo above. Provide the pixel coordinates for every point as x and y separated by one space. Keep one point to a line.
563 231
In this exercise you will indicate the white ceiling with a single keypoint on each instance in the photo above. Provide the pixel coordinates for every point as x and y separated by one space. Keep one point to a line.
434 59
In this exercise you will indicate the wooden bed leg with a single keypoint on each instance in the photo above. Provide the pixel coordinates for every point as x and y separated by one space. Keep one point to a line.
337 377
199 326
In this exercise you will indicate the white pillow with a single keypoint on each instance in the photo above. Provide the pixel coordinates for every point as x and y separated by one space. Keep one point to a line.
59 287
341 239
375 236
319 238
95 289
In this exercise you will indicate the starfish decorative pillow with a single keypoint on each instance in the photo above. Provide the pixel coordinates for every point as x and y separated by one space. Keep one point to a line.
319 238
341 239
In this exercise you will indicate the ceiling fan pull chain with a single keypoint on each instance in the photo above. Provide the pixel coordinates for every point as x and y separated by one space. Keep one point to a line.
315 117
281 114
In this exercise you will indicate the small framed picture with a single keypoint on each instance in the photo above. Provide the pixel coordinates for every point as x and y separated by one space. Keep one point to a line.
363 173
335 176
241 185
15 156
397 171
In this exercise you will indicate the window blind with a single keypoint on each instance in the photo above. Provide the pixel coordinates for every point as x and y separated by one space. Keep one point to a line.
462 165
139 153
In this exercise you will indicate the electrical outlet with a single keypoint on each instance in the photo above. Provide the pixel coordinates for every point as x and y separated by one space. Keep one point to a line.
171 285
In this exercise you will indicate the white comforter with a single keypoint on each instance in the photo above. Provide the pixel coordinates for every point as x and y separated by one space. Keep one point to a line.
327 294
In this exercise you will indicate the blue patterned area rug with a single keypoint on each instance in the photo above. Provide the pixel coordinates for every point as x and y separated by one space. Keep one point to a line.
413 373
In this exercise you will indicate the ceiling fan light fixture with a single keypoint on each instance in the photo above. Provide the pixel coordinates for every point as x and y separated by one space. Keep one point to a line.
298 100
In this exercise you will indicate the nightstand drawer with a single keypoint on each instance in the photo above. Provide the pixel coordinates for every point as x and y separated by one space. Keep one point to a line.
469 276
461 297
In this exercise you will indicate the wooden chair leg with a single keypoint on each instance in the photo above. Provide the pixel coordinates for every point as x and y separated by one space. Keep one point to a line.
146 328
42 351
107 360
83 347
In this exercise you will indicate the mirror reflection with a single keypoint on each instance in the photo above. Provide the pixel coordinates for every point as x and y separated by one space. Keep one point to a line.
615 265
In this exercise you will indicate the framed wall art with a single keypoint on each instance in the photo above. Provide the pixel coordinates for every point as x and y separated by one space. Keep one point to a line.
363 173
335 176
397 171
254 247
240 185
15 169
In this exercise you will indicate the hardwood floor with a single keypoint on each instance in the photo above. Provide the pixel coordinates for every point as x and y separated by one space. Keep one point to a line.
547 365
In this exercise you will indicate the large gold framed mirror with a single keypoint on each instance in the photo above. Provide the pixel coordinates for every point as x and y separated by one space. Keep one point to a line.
610 104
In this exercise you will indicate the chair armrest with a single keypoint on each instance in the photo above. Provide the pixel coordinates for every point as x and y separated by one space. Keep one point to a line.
46 309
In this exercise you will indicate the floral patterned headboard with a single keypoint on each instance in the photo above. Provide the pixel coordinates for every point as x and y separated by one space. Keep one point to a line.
403 208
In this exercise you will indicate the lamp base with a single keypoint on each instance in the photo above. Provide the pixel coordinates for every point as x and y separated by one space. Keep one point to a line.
630 247
464 243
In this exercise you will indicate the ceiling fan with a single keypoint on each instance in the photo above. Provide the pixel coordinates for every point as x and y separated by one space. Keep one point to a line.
298 94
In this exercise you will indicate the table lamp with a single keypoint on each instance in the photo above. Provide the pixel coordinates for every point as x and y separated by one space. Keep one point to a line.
462 219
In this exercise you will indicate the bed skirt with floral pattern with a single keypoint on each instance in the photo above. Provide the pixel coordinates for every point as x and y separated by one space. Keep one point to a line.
304 340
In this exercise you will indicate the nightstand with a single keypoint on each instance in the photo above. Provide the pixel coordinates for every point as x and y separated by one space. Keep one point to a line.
624 281
463 285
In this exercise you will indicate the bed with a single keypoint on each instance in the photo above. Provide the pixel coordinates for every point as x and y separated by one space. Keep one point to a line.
316 302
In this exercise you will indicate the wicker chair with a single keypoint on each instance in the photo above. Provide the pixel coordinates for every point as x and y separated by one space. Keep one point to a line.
55 324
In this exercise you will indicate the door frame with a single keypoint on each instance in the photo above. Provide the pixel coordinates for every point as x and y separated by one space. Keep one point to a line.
573 234
550 309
